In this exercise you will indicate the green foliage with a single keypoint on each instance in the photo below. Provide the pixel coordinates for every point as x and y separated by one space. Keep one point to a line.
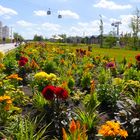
39 102
25 129
110 41
10 63
89 115
132 74
50 67
128 113
38 38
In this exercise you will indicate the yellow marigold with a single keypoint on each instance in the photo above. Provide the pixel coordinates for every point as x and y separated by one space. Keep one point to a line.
5 97
41 75
123 133
14 76
7 108
64 84
1 54
2 66
52 77
9 101
89 65
117 81
111 128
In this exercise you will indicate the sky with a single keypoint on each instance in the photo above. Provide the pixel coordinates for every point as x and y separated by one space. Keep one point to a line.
79 17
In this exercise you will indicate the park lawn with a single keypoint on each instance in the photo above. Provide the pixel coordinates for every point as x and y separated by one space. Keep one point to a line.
118 54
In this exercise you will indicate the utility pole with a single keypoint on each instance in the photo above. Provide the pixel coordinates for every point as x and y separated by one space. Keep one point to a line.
101 31
11 32
117 24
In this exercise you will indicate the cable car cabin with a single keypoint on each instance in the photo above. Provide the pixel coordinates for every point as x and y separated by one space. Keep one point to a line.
59 16
49 12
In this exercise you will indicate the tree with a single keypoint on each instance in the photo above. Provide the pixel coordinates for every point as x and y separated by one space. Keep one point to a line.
135 26
110 41
38 38
18 37
101 31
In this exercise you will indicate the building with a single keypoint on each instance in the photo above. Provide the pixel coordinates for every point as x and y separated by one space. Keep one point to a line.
4 31
0 29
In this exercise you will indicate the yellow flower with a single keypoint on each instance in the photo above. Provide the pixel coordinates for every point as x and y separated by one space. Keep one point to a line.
52 77
117 81
41 75
2 66
7 108
111 128
9 101
1 55
14 76
4 97
123 133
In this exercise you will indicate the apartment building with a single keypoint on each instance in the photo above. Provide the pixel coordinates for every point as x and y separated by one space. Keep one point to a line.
4 31
0 29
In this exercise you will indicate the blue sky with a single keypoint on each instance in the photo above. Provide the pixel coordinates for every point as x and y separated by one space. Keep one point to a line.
79 17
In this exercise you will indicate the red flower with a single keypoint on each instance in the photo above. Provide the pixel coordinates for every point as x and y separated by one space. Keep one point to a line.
138 57
24 58
110 65
61 93
48 92
21 62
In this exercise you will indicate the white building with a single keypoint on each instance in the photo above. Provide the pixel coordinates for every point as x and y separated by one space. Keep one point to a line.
4 31
0 29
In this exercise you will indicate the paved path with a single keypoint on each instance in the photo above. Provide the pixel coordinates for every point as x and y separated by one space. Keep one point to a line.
7 47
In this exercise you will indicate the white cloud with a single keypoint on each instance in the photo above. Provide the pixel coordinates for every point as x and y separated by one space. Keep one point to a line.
7 12
50 26
108 4
69 13
24 23
40 13
135 1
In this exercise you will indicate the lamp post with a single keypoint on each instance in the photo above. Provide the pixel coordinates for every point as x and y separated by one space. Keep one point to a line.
11 34
117 24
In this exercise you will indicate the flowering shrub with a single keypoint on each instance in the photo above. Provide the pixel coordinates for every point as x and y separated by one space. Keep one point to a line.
112 129
41 79
67 82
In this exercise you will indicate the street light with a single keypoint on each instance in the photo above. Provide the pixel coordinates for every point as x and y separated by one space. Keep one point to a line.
116 24
11 32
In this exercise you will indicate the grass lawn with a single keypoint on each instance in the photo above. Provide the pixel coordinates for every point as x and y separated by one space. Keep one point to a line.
118 54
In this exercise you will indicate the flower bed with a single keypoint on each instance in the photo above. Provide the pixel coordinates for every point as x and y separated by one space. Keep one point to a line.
54 92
